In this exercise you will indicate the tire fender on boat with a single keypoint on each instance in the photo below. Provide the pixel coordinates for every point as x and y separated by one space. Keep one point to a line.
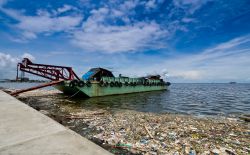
120 84
131 83
101 83
106 84
126 84
81 84
116 83
134 84
73 83
112 84
88 84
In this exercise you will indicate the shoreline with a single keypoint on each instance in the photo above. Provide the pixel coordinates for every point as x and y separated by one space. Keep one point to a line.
133 132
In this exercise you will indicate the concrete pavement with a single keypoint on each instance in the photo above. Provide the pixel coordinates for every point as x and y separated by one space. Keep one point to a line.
24 131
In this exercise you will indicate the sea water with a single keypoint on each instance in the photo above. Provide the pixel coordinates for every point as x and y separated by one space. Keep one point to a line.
181 98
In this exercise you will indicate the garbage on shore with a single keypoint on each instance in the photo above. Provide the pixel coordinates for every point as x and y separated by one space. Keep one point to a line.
148 133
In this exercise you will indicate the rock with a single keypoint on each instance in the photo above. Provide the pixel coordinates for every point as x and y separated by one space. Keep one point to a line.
215 152
187 150
230 152
245 118
44 112
172 135
176 153
193 129
232 134
163 145
153 153
236 142
154 147
206 153
144 141
192 152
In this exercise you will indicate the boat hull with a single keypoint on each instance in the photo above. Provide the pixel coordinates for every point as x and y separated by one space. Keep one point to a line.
96 90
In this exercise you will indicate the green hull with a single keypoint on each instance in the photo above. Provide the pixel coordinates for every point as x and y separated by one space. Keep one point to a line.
96 90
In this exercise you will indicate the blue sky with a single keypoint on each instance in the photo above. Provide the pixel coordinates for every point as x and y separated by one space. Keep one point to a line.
183 40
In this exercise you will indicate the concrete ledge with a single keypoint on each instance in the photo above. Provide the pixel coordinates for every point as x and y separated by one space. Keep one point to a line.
25 131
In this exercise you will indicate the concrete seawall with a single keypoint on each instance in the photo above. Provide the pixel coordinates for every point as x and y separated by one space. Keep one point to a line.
25 131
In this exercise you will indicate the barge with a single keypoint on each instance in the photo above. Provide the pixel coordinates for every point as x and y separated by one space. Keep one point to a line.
96 82
101 82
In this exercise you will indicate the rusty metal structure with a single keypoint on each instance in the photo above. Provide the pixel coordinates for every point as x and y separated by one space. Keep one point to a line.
36 87
56 74
50 72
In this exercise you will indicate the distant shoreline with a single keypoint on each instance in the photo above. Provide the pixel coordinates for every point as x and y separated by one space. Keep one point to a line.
29 81
43 81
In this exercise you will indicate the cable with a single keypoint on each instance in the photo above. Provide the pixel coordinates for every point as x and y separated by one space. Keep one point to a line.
74 94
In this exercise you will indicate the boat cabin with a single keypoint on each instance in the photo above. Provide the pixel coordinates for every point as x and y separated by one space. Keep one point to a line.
96 74
153 77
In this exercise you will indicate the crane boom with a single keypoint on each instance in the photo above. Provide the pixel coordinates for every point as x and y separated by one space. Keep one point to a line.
50 72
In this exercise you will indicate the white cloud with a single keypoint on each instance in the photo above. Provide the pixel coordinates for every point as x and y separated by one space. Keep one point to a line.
128 5
43 22
228 61
230 44
29 56
8 64
65 8
190 5
188 75
2 2
187 20
100 31
97 35
151 4
181 13
113 39
7 60
225 61
40 24
28 35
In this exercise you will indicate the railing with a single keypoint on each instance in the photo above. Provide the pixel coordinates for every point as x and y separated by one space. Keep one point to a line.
123 80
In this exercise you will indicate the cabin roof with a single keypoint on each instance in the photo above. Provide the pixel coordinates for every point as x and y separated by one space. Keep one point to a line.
99 69
153 77
93 72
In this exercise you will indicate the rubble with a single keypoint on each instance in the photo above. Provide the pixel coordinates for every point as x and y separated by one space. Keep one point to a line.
133 132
